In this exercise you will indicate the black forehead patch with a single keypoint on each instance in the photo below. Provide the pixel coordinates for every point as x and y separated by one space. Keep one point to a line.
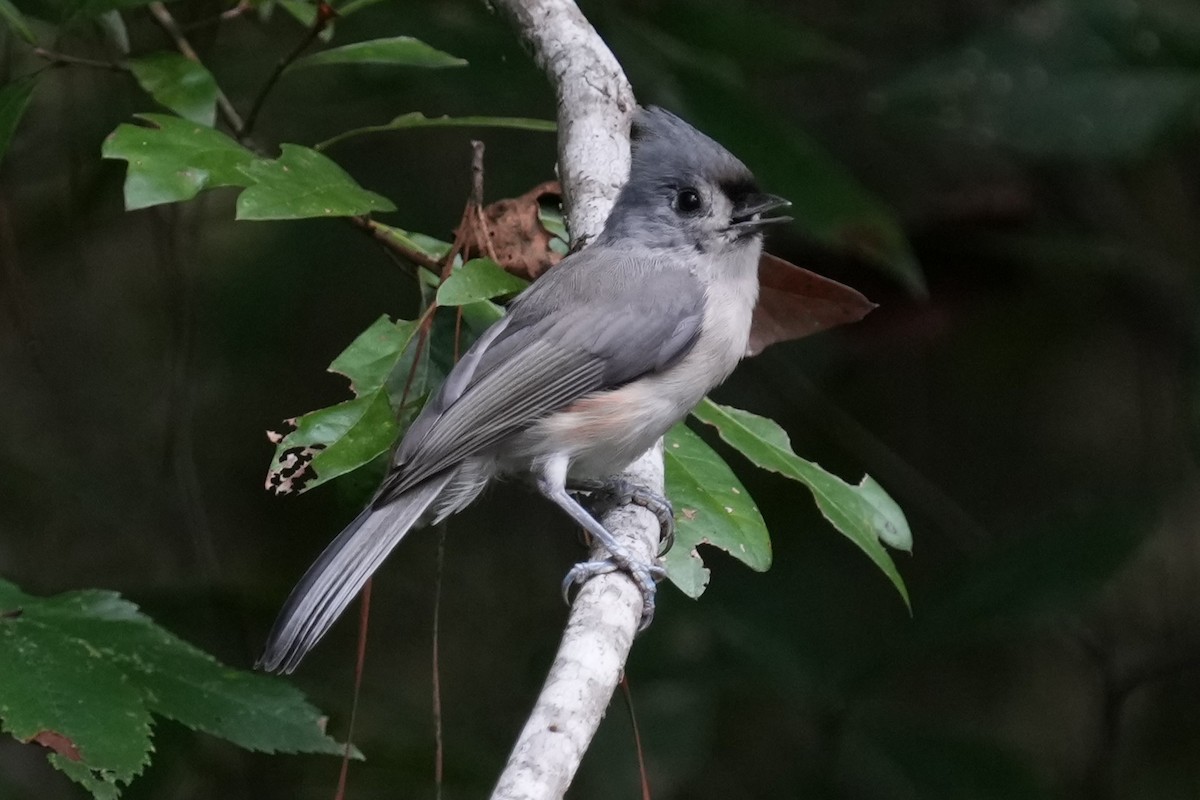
739 188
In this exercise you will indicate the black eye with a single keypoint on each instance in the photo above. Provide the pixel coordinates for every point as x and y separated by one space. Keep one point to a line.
688 201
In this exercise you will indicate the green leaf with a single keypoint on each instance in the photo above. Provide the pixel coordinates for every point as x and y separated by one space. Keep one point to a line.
180 84
711 507
431 248
478 279
482 315
354 6
400 51
415 119
552 220
174 160
364 432
303 183
16 21
333 441
863 513
99 782
84 671
14 99
378 353
114 30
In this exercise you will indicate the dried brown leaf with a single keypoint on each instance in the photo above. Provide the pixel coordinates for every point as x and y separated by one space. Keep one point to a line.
794 303
512 234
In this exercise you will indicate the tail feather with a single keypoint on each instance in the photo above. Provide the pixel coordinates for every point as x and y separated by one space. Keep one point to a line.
339 573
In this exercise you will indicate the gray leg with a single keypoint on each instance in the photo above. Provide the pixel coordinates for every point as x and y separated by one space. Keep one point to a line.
615 491
552 484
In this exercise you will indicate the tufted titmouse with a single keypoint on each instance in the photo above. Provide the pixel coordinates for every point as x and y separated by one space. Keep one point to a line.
591 365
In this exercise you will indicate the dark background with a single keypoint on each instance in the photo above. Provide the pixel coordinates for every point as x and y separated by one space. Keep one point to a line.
1014 183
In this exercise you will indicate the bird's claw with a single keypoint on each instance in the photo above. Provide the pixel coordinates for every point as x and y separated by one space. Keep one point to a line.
645 576
620 492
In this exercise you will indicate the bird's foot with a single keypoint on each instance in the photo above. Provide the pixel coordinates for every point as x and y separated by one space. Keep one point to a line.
615 492
645 576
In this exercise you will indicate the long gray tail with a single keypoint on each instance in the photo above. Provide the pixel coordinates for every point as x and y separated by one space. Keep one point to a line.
338 574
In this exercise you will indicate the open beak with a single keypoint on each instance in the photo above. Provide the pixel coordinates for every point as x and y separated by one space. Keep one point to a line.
748 215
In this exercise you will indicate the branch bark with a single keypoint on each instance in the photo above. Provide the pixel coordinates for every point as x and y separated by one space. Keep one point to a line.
595 107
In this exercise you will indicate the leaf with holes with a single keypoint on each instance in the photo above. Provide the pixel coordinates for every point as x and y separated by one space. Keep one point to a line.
302 183
864 514
173 159
711 507
333 441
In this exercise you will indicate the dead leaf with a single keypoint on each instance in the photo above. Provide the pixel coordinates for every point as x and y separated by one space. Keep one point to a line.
58 743
512 234
291 470
794 303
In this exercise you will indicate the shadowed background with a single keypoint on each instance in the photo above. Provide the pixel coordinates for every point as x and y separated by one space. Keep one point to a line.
1013 183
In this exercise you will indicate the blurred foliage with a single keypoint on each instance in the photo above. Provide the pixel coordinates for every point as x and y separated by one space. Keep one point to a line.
1036 415
85 670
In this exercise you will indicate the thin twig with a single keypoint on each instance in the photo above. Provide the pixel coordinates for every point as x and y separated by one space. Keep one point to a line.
469 219
439 753
63 59
627 693
475 206
170 27
477 172
379 233
227 15
364 616
325 13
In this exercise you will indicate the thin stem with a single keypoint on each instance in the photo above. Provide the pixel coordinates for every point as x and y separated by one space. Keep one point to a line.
325 13
475 206
637 738
477 172
364 617
62 59
439 756
377 232
170 27
225 16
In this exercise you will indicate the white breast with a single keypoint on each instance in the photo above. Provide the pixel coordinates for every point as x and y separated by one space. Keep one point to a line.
606 431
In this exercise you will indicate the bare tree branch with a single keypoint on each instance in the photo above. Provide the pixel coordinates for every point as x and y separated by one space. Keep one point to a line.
595 106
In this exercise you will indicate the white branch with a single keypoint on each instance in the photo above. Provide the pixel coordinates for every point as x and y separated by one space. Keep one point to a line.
595 106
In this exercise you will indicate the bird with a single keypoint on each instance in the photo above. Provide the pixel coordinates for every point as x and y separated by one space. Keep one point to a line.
590 365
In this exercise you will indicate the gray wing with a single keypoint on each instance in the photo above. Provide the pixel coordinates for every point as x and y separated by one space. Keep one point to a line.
597 320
